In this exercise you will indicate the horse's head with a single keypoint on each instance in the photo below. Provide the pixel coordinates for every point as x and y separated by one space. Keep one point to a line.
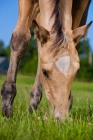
59 63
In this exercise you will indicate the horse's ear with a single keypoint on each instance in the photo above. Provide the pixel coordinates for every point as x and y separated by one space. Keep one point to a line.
36 29
44 35
80 32
41 33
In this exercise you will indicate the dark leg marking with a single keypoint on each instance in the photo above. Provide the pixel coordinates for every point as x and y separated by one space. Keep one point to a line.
36 96
8 93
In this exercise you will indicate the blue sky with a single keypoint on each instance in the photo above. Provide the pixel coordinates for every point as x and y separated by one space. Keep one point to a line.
9 16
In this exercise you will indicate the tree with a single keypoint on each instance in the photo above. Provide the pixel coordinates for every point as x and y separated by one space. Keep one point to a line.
2 49
86 70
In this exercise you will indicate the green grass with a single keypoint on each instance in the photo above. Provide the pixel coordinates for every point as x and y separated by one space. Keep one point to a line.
41 125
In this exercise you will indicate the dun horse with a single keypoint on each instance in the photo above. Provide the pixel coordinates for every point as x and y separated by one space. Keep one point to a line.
57 31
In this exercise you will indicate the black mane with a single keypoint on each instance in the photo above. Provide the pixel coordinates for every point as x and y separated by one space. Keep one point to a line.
57 26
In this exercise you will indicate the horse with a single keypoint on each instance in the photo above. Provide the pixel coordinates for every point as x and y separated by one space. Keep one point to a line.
58 27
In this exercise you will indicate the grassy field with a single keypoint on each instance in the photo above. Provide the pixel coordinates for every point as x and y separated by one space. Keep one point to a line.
41 125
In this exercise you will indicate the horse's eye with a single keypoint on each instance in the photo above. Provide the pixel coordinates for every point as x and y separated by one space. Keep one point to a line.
45 72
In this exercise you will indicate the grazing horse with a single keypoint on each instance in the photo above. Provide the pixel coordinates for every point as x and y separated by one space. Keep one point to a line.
57 30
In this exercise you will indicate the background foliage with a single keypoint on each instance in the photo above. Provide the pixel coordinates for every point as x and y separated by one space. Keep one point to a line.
86 65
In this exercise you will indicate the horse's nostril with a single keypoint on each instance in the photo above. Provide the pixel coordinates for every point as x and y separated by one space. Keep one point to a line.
57 118
34 106
32 94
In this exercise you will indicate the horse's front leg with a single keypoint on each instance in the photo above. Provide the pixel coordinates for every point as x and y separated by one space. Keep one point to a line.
20 38
19 43
36 92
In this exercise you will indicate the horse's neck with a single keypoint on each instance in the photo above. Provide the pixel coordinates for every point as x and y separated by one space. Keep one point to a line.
46 10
